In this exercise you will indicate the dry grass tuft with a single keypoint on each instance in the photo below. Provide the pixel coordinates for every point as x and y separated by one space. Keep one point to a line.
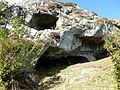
55 5
68 4
77 11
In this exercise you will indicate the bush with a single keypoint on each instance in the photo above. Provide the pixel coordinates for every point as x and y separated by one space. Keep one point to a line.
18 50
113 46
17 53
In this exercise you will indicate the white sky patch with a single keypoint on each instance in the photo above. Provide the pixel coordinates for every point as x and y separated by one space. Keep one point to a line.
13 1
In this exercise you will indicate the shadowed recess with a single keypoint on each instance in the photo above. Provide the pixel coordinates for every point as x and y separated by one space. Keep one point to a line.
47 62
43 21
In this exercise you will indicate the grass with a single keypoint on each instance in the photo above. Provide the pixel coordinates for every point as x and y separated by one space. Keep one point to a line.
97 75
2 88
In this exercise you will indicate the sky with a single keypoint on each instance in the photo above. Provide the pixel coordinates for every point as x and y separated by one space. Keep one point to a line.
104 8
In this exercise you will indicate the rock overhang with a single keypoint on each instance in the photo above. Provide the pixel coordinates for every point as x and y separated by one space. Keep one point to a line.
75 31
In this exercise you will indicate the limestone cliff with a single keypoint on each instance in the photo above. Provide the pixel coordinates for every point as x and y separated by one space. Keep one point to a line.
74 31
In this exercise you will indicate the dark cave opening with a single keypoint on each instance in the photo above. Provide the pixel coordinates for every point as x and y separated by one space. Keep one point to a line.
46 63
102 55
43 21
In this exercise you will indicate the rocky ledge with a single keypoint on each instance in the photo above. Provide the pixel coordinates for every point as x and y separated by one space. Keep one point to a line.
74 31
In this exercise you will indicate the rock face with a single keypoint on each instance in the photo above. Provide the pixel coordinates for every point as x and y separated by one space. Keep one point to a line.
74 31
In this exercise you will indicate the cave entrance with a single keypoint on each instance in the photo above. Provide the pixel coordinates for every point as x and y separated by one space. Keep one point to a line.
46 62
43 21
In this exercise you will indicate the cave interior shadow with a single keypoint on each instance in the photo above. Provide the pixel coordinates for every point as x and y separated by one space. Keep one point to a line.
50 67
47 67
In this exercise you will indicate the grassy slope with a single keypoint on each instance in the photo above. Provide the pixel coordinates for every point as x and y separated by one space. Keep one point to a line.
96 75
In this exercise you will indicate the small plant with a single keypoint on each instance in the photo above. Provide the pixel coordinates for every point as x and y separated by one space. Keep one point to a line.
56 28
3 4
77 11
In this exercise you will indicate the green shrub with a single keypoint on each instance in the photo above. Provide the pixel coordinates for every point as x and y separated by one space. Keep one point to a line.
3 4
113 46
18 50
17 53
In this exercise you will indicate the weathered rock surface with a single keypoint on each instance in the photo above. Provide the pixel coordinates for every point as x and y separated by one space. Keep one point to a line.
75 31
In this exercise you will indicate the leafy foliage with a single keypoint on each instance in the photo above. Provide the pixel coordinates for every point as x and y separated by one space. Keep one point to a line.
113 46
18 52
3 4
2 14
